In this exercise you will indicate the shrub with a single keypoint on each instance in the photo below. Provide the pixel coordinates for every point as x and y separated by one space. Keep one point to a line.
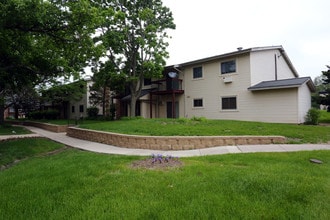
92 112
312 117
199 119
36 115
51 114
131 118
48 114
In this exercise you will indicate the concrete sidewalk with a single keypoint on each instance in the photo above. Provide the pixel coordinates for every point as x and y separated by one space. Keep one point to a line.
108 149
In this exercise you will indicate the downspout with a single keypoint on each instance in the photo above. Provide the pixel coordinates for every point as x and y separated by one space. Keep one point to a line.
275 56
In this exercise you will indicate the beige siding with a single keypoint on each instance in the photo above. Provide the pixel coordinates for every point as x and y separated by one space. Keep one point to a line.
212 87
270 106
281 105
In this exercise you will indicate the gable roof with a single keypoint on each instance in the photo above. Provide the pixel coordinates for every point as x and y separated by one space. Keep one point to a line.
236 53
284 83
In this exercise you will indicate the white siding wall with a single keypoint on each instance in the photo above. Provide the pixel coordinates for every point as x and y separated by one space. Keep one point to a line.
263 66
304 97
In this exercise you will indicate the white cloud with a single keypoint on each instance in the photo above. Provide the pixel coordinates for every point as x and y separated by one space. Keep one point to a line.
211 27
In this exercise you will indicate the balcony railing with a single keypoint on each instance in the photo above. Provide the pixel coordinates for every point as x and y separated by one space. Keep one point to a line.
168 86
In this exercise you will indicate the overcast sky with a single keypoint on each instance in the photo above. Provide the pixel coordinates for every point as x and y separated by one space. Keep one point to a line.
213 27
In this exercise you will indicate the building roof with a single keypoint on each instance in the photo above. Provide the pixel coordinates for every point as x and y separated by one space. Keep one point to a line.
240 51
283 83
143 93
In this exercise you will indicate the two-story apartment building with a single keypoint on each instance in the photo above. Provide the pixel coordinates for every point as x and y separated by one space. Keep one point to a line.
256 84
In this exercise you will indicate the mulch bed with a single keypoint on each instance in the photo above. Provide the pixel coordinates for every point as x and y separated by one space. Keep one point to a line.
150 163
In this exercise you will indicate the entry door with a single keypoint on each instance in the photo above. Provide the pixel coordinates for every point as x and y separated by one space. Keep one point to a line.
170 111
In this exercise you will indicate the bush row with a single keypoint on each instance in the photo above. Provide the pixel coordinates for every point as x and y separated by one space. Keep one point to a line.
47 114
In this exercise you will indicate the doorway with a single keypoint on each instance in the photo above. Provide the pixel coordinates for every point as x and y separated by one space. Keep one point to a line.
169 110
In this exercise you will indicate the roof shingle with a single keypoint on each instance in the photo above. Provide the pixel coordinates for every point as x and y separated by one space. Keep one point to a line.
283 83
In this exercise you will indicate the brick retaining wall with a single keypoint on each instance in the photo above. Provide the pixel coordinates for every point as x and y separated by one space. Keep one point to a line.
169 142
48 127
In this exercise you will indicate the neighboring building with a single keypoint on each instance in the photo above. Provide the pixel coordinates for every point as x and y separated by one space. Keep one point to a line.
78 109
256 84
9 113
75 109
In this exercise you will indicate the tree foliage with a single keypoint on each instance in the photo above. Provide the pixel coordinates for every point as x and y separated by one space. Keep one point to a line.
65 93
41 40
325 98
106 82
133 34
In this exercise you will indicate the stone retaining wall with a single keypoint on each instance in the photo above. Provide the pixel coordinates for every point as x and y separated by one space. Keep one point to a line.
169 142
48 127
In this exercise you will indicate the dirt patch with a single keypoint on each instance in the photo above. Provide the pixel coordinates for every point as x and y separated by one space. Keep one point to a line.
151 163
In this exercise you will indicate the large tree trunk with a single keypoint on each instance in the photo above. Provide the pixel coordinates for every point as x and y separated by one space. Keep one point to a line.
134 98
135 89
103 101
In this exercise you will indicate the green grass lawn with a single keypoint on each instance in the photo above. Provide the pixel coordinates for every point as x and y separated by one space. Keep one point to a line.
8 129
191 127
325 117
76 184
19 149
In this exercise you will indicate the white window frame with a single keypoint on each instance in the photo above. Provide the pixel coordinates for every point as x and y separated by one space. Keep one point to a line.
229 109
197 78
226 61
195 99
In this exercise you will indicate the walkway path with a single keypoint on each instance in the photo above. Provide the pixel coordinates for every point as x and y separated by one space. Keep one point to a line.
104 148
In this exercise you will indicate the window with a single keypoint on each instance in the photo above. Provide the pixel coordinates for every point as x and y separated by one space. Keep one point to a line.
229 103
228 67
81 108
11 109
147 81
72 109
197 72
198 103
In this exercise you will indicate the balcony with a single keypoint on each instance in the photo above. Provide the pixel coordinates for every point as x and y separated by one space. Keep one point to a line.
168 86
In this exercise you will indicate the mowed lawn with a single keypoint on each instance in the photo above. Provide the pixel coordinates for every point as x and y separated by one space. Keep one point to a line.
13 130
203 127
74 184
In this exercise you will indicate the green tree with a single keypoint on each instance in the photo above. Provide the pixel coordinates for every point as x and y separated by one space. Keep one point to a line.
106 83
41 40
325 98
26 99
134 36
320 87
60 95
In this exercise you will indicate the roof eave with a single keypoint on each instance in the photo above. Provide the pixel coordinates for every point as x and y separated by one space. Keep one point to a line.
235 53
273 88
287 59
